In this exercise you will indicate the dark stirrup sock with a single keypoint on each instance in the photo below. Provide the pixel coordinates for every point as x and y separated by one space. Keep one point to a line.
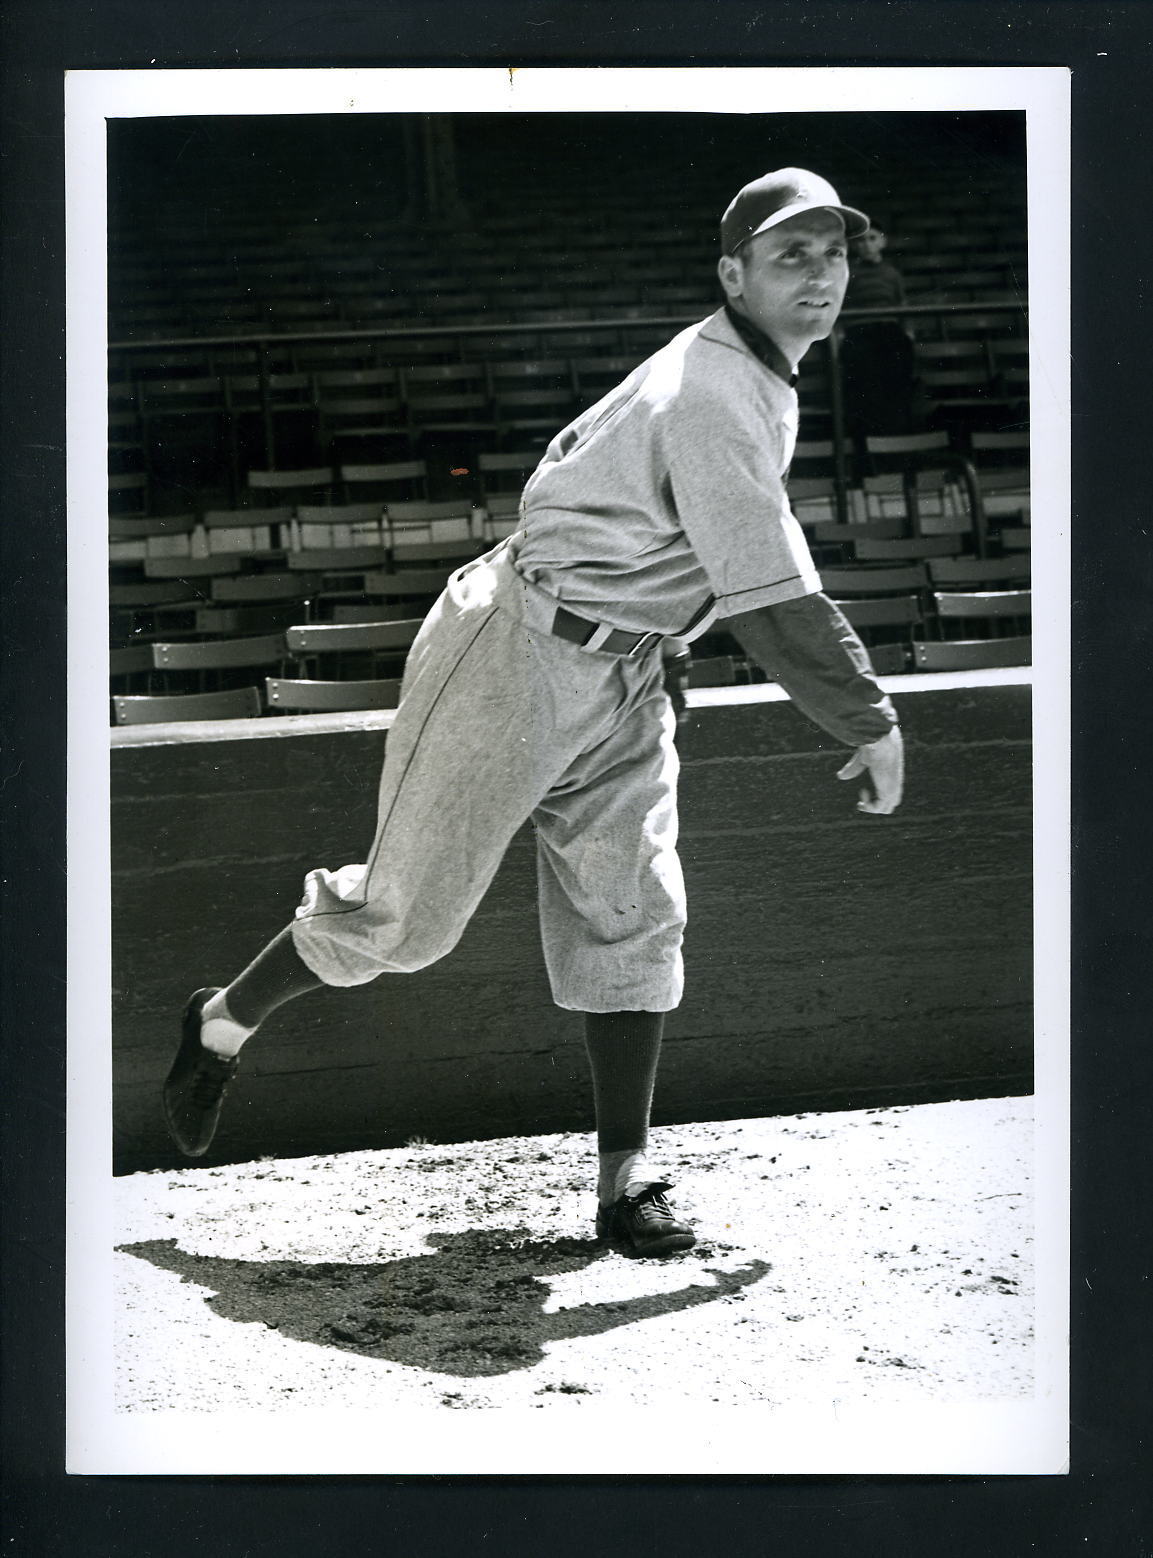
274 976
623 1050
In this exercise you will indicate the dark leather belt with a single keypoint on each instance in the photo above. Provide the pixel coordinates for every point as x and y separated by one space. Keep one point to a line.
594 635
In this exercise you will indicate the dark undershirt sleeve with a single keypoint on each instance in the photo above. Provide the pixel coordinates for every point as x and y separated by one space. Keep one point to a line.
808 646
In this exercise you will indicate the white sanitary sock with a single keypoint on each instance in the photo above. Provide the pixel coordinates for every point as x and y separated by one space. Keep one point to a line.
219 1032
623 1173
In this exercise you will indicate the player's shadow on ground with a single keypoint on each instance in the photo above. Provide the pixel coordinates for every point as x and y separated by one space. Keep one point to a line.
474 1308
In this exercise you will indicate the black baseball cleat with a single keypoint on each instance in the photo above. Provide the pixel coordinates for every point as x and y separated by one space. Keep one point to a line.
196 1085
644 1224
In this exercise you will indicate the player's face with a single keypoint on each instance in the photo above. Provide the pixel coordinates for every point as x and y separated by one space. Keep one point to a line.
870 246
790 281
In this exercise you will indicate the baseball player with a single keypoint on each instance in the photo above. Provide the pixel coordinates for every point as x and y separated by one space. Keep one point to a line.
536 689
877 360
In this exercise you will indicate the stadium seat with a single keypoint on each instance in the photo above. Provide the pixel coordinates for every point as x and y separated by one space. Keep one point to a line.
155 592
420 586
448 399
831 530
1000 613
398 479
945 502
254 588
923 503
900 580
904 549
133 538
531 396
881 611
330 527
891 659
284 694
128 493
1002 460
272 413
219 654
409 348
423 554
183 429
146 709
904 451
597 373
319 357
245 532
990 326
505 471
294 486
886 625
337 559
938 488
813 500
813 459
128 661
977 571
971 654
716 671
190 567
361 407
453 526
361 611
381 644
130 668
182 665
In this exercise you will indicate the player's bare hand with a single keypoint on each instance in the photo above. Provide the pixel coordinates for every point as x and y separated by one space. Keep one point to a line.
883 761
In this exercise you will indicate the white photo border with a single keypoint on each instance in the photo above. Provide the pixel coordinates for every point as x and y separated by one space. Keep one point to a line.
1003 1437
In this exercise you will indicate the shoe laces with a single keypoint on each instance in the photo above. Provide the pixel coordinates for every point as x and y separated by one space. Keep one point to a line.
650 1205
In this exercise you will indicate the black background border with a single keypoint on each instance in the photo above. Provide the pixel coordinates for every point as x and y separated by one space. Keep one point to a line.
1104 1506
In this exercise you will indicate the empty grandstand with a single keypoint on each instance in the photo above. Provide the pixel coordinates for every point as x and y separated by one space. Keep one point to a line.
330 369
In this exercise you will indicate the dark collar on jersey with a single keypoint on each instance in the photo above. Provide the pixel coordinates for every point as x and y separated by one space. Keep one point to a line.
762 347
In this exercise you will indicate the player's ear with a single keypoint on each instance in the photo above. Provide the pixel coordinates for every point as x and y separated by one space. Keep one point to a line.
731 274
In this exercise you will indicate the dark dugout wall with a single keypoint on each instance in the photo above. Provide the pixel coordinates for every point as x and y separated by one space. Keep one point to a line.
833 960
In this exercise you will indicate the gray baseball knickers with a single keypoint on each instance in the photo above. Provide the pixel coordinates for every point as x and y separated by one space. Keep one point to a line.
500 722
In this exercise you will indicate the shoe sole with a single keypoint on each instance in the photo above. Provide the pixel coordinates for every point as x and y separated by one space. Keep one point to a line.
674 1244
193 1007
671 1244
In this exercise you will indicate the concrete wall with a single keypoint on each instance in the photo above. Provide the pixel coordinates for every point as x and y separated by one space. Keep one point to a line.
833 960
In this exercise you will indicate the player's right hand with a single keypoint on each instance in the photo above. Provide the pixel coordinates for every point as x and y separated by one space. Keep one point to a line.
884 762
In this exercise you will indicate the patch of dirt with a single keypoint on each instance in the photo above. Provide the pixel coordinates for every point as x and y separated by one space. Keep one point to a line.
835 1262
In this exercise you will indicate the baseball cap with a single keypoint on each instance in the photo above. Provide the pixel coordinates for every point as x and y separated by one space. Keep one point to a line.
775 197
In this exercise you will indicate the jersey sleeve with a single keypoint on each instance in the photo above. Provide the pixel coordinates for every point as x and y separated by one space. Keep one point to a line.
810 648
727 449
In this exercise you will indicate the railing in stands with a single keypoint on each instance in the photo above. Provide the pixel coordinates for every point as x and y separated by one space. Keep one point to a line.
266 341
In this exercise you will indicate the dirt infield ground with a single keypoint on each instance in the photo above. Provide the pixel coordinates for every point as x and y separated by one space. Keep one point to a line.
878 1255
